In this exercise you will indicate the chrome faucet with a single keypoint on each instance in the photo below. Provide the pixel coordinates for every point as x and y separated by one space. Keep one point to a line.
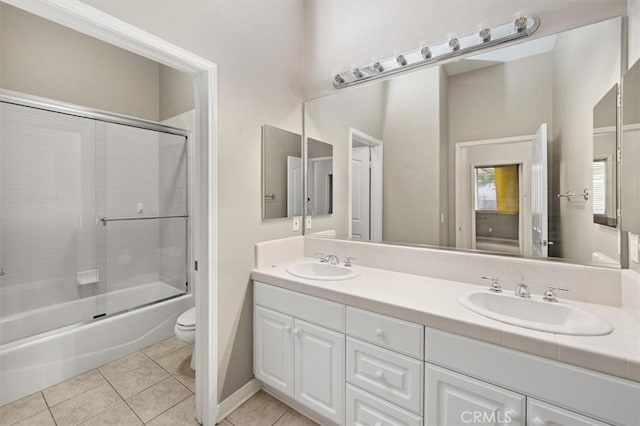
347 261
333 259
523 290
322 257
1 272
550 294
495 284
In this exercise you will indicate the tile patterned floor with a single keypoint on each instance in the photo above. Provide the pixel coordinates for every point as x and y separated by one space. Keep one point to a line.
154 387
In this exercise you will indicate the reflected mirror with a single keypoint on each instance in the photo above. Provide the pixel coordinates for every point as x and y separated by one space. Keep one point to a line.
281 173
319 178
605 159
492 152
630 187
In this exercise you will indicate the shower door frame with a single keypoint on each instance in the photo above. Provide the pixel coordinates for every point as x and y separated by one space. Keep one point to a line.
83 18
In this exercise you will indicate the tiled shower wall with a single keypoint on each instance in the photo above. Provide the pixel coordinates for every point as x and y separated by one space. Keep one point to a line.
58 174
46 205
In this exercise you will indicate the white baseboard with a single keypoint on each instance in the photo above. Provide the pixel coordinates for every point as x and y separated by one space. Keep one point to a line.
238 398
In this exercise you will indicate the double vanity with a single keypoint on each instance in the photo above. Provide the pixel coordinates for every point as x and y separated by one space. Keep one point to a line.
355 345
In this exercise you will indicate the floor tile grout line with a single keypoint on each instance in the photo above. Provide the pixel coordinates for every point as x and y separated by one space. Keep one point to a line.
184 399
142 390
70 398
134 412
285 412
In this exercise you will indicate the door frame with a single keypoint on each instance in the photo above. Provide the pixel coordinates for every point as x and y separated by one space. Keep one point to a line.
88 20
377 162
459 196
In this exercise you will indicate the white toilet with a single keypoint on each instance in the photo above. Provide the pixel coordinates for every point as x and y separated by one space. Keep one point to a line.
185 330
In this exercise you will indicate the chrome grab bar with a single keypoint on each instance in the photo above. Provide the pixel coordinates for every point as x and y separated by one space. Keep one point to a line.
568 195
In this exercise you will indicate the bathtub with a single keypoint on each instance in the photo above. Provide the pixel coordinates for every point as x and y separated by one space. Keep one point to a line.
37 361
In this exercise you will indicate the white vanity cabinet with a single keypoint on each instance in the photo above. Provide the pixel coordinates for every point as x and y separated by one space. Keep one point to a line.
273 349
543 414
319 369
299 349
454 399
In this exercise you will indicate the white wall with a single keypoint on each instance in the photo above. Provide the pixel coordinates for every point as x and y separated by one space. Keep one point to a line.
45 59
341 33
258 49
584 72
411 134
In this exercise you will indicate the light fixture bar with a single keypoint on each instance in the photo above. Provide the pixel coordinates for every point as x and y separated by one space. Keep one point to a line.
520 27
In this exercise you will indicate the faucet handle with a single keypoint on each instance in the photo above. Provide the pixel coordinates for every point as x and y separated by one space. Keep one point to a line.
550 294
495 284
323 257
347 261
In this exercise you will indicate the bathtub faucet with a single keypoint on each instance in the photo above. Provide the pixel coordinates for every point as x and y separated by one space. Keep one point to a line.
1 272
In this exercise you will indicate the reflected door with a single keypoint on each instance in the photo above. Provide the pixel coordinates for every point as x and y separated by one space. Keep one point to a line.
360 194
539 201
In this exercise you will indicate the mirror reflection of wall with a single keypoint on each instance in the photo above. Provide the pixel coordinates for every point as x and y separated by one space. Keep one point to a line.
281 173
319 178
604 167
529 104
630 186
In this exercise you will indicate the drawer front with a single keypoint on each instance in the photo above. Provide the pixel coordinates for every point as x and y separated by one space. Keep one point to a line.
364 409
398 335
391 376
540 414
455 399
315 310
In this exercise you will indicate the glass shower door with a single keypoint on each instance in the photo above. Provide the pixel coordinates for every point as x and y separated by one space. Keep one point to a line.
48 246
145 219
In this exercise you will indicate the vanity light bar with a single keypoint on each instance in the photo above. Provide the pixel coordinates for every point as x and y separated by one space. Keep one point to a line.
520 27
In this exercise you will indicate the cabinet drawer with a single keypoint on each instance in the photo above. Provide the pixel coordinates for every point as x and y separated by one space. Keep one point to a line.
394 377
317 311
541 414
398 335
455 399
364 409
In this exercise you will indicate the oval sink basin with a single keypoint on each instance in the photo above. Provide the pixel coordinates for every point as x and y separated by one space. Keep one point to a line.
322 271
536 314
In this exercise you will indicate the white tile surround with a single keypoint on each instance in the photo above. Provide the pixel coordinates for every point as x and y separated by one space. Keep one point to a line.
420 299
586 283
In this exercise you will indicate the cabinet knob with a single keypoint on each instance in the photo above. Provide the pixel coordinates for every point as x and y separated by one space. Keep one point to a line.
287 328
379 374
379 332
537 421
296 331
512 415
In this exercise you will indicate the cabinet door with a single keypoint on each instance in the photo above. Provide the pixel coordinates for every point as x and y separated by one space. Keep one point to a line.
273 349
543 414
454 399
319 369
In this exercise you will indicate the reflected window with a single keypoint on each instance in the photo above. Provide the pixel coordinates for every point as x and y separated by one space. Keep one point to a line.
599 187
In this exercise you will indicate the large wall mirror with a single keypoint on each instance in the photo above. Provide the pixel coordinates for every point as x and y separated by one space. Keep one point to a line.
282 170
495 152
630 187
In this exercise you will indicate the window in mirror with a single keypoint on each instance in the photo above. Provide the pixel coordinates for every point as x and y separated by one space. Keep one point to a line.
497 208
281 173
319 178
599 187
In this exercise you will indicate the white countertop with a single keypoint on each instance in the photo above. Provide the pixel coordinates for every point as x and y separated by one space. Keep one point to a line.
434 303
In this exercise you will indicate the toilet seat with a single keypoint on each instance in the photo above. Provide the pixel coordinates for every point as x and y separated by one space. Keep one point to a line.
187 320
